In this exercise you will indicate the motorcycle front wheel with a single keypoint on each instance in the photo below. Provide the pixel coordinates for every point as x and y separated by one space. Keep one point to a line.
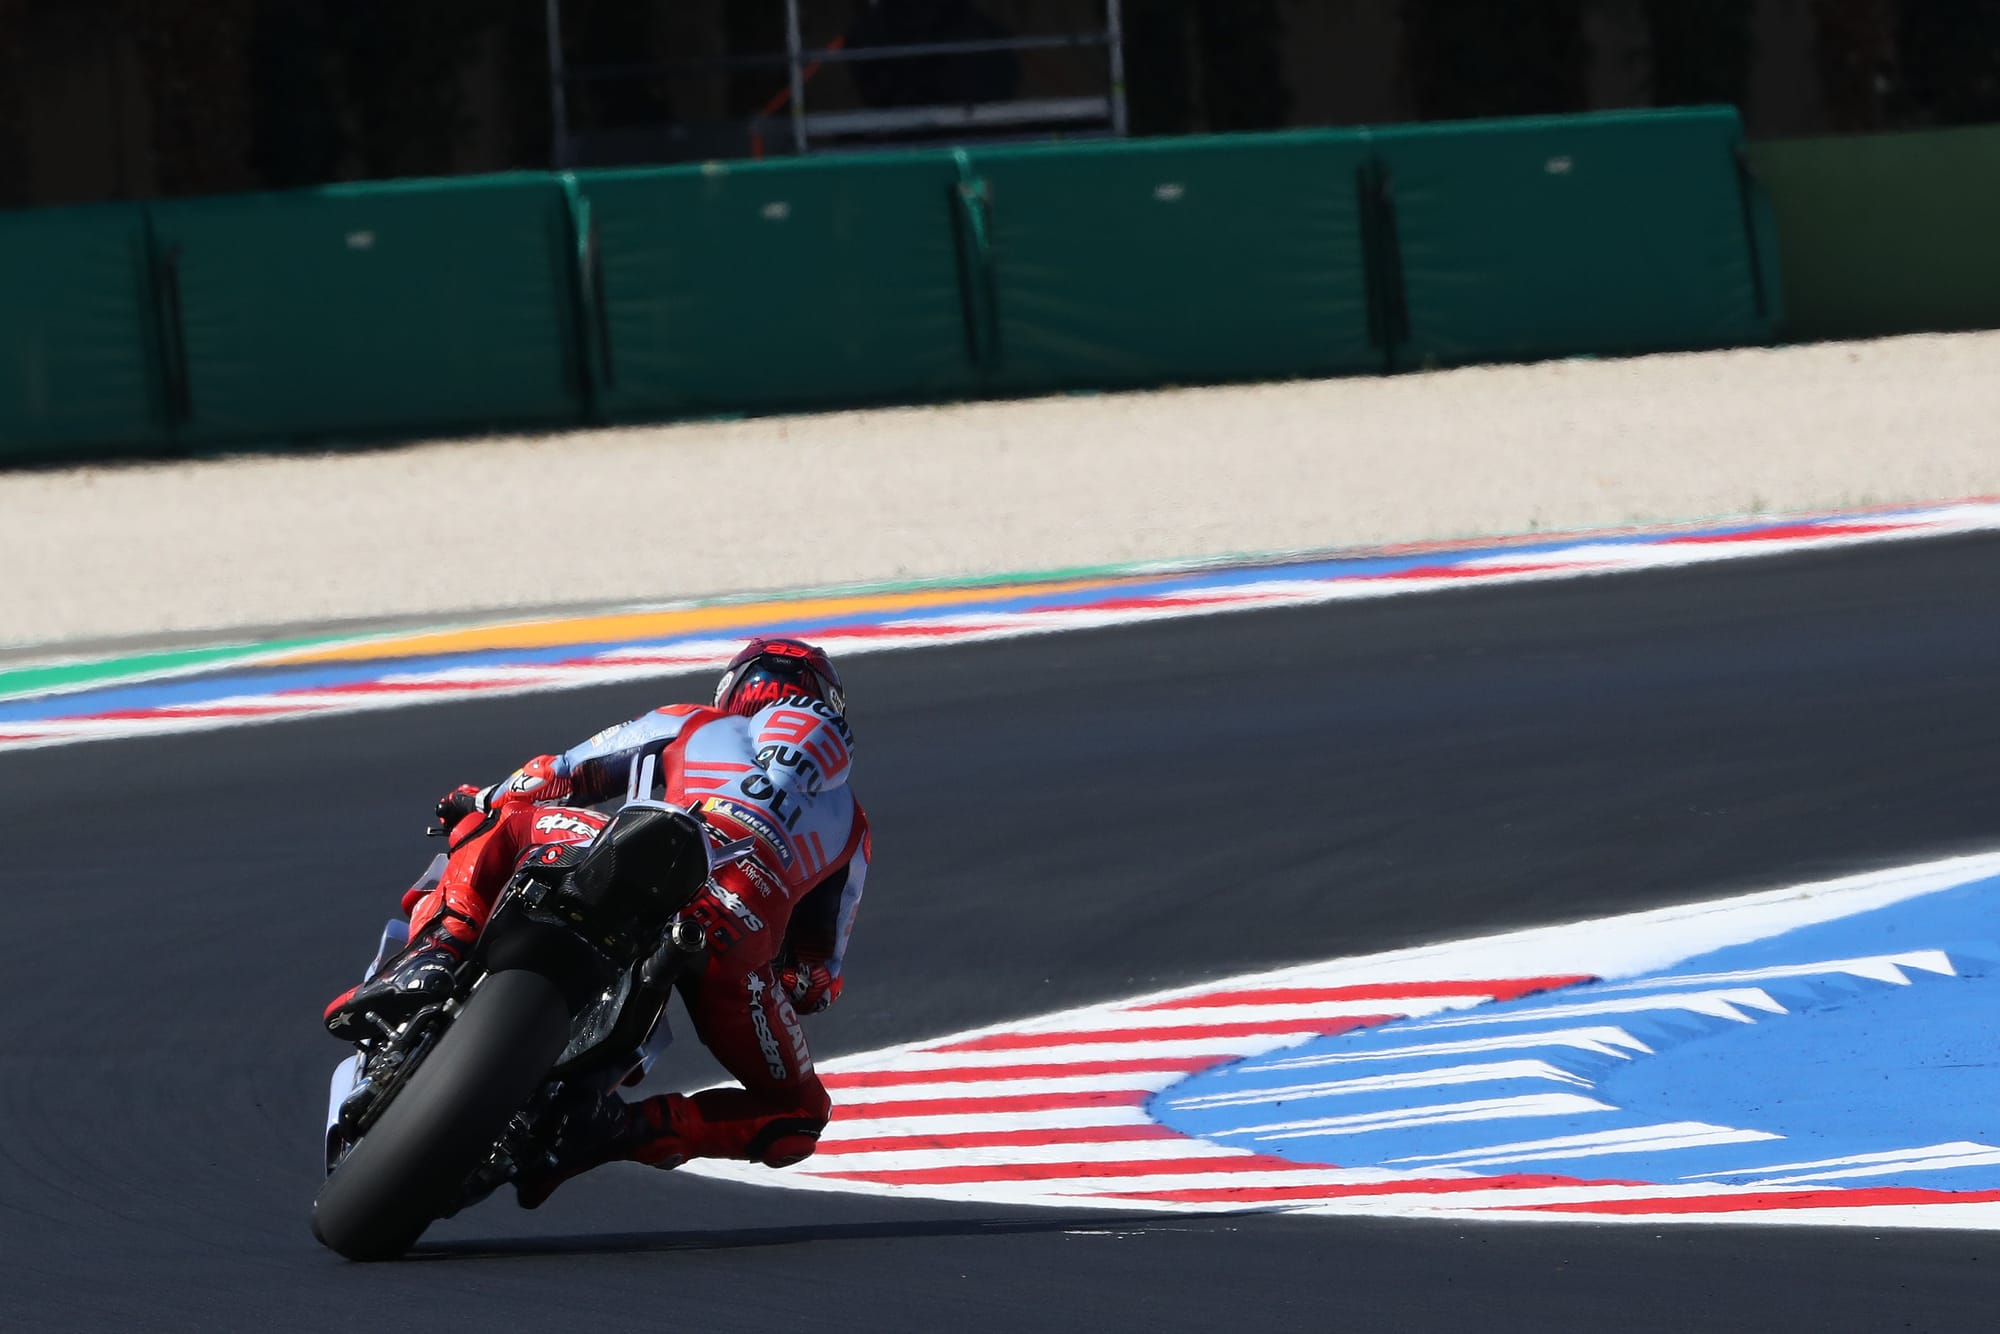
409 1168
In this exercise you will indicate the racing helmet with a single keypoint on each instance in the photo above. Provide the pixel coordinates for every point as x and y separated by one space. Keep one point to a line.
769 670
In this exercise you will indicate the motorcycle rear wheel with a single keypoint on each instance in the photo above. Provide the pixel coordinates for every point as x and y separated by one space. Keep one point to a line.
409 1168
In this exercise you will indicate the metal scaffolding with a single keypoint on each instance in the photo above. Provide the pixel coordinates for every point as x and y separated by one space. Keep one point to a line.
787 115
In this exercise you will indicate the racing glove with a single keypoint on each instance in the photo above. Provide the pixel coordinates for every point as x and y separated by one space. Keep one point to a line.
458 803
537 780
810 987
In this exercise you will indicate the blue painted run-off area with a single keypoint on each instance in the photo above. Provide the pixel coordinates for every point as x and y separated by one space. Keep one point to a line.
1853 1066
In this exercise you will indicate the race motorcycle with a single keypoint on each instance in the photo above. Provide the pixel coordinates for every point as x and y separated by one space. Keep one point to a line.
565 989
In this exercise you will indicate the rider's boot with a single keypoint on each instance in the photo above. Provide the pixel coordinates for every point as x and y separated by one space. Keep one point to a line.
424 973
667 1129
599 1129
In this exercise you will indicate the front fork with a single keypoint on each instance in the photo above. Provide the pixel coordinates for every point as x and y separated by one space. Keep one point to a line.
347 1075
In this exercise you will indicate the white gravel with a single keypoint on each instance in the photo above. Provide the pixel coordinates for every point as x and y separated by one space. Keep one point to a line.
664 512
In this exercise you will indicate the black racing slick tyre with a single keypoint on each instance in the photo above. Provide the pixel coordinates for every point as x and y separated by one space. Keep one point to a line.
409 1168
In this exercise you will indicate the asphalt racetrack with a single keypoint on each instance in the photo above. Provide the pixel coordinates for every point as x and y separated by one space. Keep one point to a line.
1058 821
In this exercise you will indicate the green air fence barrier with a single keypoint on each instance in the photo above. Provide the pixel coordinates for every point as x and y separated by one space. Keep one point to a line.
77 374
753 286
362 310
1603 234
538 300
1887 233
1175 261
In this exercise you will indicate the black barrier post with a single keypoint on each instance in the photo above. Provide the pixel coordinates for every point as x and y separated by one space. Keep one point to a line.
1761 284
972 221
1382 260
593 369
163 265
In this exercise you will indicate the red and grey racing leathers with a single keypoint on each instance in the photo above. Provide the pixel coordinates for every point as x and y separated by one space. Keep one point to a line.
777 921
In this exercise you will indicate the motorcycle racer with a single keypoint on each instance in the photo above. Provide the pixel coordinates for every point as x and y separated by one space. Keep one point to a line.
767 762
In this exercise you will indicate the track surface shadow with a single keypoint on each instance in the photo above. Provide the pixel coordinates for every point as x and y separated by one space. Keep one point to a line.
640 1243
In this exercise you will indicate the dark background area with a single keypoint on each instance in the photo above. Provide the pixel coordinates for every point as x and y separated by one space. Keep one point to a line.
124 99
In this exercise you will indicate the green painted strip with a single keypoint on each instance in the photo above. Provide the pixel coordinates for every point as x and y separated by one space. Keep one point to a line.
63 675
54 676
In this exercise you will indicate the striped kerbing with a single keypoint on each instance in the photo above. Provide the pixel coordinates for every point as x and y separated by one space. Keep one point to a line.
1534 1074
